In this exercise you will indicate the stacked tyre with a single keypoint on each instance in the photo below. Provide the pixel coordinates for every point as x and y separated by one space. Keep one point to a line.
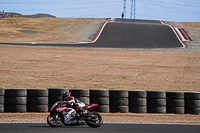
1 100
100 97
15 100
118 101
175 102
55 94
192 102
156 102
82 95
137 102
37 100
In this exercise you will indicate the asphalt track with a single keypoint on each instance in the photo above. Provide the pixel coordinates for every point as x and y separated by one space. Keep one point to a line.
129 33
105 128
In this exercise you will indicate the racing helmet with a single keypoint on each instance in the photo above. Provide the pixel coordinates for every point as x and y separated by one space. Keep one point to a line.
65 95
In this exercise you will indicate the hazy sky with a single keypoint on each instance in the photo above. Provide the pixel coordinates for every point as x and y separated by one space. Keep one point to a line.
168 10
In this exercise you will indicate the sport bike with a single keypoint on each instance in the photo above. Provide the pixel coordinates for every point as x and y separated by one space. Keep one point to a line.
59 112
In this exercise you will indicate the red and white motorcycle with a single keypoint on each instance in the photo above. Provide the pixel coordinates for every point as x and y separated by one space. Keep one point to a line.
60 110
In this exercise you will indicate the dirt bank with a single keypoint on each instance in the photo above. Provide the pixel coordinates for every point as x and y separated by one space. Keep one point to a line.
59 30
42 67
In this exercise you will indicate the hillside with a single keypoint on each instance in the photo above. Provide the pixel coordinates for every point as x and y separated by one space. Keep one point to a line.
59 30
44 67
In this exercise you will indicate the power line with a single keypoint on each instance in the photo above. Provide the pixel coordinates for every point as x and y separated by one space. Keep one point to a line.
164 8
176 3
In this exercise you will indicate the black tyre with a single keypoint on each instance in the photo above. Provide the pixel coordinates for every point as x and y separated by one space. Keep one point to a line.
95 121
57 91
175 95
100 100
137 94
37 108
37 93
175 102
156 109
37 100
138 109
79 92
53 99
16 92
2 92
119 101
192 95
103 108
192 103
192 110
15 100
55 120
85 100
156 94
176 110
99 93
137 102
121 109
1 108
15 108
1 99
156 102
118 93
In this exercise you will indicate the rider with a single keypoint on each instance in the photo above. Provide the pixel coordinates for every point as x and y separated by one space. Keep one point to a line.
122 15
68 99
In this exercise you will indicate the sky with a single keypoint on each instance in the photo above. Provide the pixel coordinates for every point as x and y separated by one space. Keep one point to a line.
167 10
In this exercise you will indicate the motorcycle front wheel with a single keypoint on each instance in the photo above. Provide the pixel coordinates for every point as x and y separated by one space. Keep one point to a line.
94 120
55 120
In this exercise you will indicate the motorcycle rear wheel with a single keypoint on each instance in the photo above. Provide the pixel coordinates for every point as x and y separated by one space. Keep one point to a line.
95 121
55 120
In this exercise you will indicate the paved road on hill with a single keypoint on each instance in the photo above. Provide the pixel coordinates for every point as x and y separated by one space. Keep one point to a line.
105 128
138 34
129 33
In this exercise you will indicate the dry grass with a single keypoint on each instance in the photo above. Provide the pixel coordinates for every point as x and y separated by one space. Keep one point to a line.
39 67
61 30
192 24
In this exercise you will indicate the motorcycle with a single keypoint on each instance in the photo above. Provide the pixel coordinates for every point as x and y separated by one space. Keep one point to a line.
59 111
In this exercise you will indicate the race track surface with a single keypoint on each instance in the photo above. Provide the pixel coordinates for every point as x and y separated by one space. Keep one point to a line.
129 33
105 128
138 34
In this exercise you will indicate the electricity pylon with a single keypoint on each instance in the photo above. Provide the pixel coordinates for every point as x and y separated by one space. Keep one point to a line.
132 9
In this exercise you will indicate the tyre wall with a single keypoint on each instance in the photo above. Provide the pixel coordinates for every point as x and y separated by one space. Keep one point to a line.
100 97
15 100
123 101
137 101
81 94
175 102
118 101
192 102
156 102
37 100
2 100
